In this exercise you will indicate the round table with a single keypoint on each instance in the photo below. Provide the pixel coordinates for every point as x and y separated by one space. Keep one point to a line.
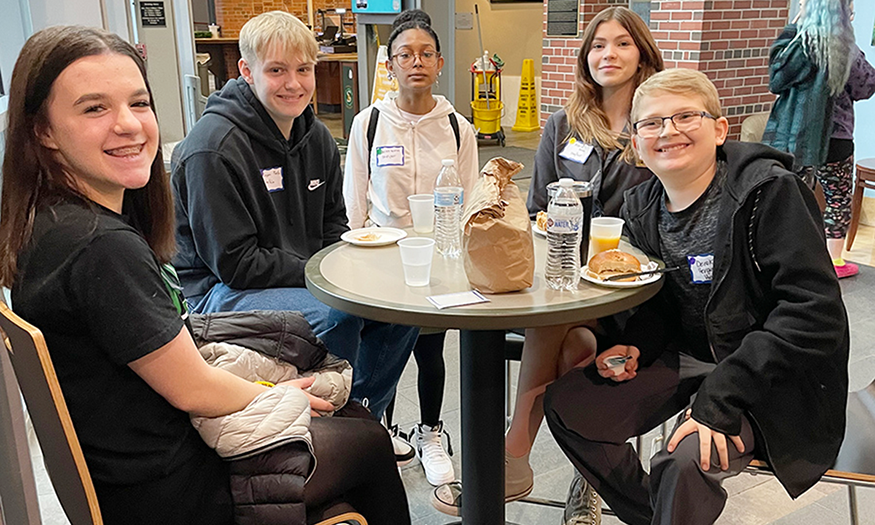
369 282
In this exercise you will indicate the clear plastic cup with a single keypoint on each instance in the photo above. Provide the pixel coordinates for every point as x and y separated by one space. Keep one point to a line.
422 211
416 256
604 234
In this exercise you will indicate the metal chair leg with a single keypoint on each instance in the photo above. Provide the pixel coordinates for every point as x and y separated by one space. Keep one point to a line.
508 409
852 500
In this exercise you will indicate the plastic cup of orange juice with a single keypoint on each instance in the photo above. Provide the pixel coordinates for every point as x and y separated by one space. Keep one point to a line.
604 234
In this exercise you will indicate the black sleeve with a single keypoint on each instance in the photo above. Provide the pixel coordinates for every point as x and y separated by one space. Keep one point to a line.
806 326
116 284
544 170
225 233
335 222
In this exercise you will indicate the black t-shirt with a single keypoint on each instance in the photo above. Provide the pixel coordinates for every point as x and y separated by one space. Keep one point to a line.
686 239
93 286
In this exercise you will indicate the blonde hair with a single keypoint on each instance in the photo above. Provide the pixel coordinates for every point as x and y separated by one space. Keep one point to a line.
583 109
678 82
276 28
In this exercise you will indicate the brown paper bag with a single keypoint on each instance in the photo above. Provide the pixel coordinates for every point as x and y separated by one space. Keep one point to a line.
496 232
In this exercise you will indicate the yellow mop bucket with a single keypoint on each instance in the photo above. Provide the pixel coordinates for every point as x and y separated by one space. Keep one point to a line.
487 121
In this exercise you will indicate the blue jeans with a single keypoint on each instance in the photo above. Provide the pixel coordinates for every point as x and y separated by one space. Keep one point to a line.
377 351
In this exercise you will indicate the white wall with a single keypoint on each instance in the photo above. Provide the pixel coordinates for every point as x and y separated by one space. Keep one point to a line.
46 13
864 146
865 109
514 31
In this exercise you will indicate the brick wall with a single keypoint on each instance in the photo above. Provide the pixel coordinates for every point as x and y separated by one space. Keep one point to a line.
560 58
726 39
729 41
232 14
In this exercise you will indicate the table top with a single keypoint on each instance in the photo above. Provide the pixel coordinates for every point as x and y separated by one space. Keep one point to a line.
369 282
866 165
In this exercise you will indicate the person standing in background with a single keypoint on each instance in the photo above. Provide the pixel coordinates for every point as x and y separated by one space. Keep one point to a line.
420 129
809 64
836 176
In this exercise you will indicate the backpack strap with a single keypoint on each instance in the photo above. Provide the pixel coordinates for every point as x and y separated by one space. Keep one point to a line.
455 125
372 132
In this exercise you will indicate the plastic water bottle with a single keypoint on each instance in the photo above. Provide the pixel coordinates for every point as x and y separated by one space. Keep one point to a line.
564 225
448 200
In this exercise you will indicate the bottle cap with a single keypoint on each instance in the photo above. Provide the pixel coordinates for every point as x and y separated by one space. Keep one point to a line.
566 182
448 162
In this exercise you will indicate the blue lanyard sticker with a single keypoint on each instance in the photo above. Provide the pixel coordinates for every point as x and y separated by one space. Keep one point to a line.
390 156
576 151
701 267
273 179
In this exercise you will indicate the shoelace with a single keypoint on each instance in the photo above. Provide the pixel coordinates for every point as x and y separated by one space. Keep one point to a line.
434 446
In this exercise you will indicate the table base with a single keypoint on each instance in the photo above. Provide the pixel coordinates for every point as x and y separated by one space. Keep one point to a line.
482 378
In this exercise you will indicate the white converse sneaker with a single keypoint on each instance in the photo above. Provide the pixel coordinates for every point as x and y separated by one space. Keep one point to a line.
404 453
583 506
430 451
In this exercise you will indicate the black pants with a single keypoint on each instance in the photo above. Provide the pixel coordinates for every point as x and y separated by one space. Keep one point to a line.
355 462
592 418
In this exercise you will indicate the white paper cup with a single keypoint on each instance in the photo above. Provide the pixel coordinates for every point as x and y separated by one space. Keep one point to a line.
422 211
604 234
416 256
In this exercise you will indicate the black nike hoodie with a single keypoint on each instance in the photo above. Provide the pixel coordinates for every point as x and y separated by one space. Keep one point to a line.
251 206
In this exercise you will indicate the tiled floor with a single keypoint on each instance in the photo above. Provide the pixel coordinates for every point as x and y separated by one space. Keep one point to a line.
753 500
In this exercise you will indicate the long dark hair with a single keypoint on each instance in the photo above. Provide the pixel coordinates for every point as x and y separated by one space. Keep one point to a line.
33 177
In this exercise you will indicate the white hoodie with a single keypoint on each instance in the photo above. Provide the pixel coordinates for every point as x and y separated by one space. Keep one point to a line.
425 143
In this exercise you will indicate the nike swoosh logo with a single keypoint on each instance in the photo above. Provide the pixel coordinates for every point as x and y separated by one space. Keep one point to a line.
312 186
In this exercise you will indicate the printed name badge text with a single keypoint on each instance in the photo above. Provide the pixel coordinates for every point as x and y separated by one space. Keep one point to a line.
701 267
273 178
390 156
576 151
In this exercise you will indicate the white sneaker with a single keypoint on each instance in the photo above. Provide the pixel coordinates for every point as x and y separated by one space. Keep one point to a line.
430 451
404 453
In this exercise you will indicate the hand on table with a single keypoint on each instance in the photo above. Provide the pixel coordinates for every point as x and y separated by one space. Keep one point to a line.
706 436
316 403
631 366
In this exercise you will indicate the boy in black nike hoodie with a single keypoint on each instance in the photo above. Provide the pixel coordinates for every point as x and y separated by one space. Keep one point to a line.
752 328
258 191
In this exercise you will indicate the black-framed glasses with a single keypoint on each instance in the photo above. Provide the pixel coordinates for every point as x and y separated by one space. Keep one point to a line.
684 121
406 59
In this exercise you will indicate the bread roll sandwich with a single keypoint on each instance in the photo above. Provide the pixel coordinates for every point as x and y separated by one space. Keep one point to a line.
613 262
541 221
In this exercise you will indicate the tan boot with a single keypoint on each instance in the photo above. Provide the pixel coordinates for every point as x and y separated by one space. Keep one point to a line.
518 477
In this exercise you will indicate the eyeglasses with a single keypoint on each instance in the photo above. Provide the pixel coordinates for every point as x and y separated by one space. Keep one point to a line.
406 59
684 121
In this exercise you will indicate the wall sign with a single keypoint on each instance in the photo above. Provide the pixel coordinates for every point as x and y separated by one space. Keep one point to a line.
563 17
152 14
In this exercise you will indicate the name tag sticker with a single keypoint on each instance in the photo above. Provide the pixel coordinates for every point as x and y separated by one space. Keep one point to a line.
576 151
701 267
273 179
390 156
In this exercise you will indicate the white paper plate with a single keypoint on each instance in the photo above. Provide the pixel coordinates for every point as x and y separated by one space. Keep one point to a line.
538 231
374 236
646 279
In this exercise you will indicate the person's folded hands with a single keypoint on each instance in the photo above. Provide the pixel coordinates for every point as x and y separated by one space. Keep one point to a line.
316 403
630 368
